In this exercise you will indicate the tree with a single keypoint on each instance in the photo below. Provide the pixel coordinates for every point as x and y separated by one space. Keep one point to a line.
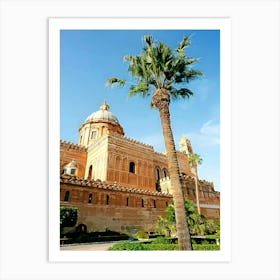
158 71
195 159
68 216
198 224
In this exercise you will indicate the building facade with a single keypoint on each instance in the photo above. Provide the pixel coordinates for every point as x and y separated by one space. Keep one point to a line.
120 184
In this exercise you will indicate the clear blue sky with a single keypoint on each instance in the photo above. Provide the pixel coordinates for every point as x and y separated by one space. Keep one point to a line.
90 57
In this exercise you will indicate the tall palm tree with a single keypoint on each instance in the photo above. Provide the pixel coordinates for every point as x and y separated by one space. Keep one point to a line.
195 159
157 71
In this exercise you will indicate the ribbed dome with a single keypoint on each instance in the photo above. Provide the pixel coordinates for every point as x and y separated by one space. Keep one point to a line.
102 115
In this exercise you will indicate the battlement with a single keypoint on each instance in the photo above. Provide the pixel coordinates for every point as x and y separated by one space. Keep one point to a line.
130 140
98 184
72 146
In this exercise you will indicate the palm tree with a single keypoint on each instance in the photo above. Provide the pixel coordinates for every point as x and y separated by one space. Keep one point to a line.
195 159
157 71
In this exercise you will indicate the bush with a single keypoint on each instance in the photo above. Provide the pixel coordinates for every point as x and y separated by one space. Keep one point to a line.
68 216
206 247
141 234
127 246
136 246
161 240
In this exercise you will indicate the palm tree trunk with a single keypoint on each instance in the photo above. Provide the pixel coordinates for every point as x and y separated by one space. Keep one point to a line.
161 100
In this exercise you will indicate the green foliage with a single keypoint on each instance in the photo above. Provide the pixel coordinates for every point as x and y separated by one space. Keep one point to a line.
198 224
194 158
68 216
134 246
137 246
206 247
162 240
159 66
141 234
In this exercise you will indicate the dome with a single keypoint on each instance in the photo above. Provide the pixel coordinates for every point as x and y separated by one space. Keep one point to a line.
102 115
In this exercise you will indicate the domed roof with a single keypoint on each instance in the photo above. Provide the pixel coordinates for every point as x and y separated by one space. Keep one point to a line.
102 115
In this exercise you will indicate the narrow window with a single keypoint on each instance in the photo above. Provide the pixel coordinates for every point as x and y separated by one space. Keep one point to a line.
93 135
90 172
66 196
107 199
90 198
127 200
158 175
132 167
155 204
166 203
164 173
143 203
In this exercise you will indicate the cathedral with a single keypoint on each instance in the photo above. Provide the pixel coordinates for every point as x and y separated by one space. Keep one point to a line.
120 184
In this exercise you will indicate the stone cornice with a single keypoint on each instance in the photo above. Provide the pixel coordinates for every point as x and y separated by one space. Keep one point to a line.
73 180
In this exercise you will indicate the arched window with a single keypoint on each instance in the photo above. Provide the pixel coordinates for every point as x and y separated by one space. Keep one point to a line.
90 172
90 198
66 196
107 199
158 174
132 167
165 173
143 203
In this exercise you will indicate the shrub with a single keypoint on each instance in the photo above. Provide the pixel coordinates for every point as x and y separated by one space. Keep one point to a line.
161 240
68 216
136 246
129 246
141 234
205 247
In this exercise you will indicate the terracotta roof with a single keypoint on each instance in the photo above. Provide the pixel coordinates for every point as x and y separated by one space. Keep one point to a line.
74 180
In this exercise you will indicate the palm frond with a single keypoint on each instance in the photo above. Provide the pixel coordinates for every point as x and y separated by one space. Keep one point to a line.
141 88
111 81
180 93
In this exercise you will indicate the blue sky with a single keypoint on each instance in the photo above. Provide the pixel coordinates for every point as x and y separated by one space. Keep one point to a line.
89 57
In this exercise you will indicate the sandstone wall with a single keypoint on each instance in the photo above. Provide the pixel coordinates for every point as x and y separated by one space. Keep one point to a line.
111 206
69 152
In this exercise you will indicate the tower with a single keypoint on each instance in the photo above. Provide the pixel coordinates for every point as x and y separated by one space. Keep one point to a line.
185 145
98 124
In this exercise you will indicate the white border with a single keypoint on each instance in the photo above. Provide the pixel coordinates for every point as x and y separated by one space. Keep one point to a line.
222 24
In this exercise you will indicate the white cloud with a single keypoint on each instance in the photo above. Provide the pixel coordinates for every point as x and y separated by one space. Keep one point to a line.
211 129
207 135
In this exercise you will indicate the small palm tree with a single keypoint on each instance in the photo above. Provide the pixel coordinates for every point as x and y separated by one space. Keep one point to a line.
195 159
157 72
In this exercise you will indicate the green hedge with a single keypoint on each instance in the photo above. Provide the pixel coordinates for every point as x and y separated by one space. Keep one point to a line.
206 247
136 246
